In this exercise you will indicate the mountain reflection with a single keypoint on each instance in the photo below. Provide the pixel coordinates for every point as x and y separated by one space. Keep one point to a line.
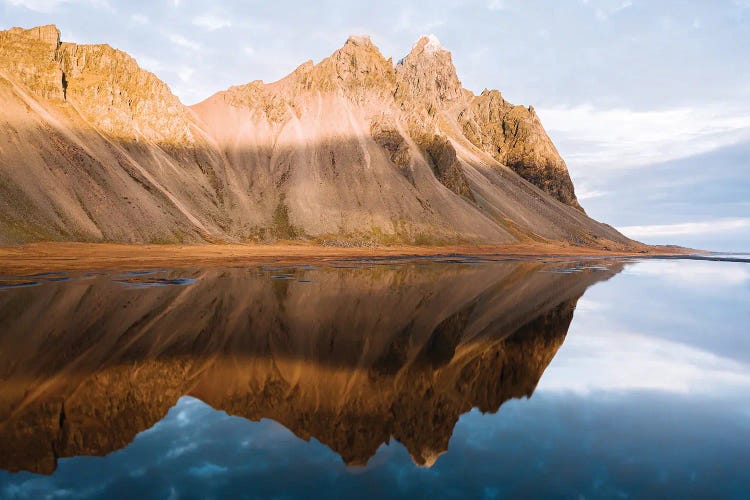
351 355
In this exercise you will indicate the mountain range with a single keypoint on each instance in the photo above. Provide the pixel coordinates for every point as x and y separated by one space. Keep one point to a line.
352 151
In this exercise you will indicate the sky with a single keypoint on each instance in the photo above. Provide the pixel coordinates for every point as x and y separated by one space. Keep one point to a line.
648 102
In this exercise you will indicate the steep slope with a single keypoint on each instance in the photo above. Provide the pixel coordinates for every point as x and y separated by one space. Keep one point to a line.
352 150
98 149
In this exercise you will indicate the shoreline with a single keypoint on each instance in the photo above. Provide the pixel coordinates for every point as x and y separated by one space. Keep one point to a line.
66 256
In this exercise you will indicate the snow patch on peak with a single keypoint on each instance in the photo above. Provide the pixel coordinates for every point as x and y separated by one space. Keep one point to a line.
433 44
427 44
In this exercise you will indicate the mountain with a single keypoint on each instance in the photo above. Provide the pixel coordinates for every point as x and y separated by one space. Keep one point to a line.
353 150
351 357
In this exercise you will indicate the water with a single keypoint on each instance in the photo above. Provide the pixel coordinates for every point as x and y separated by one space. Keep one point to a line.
458 377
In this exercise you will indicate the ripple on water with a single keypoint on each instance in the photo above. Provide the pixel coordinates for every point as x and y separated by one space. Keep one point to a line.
6 284
142 281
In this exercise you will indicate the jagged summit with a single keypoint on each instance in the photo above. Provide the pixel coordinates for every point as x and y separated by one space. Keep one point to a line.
429 44
359 39
428 74
349 151
49 33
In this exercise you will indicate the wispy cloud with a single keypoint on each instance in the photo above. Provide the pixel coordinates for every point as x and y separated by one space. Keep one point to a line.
701 277
583 193
622 138
180 450
417 21
139 19
37 5
604 9
185 73
719 226
614 361
501 5
48 6
207 470
211 22
180 40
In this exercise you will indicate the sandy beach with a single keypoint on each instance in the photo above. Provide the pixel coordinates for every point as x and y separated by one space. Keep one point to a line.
43 257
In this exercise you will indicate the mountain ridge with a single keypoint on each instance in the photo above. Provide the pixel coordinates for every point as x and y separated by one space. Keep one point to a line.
353 150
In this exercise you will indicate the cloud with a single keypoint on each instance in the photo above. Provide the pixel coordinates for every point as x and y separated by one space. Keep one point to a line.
139 19
623 138
586 305
615 361
150 63
506 5
180 450
583 193
719 226
604 9
185 73
183 42
37 5
417 21
48 6
702 277
207 470
211 22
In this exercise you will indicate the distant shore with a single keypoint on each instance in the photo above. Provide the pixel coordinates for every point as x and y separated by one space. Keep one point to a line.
39 257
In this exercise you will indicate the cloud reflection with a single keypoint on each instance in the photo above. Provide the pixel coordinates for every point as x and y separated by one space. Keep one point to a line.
606 360
664 325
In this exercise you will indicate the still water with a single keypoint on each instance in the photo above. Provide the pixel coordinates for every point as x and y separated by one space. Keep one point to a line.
439 378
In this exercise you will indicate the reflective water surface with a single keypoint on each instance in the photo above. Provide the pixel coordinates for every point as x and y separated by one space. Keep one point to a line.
455 377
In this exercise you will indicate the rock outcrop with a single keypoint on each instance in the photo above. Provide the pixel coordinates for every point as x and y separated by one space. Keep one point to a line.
353 148
119 98
427 76
514 136
31 56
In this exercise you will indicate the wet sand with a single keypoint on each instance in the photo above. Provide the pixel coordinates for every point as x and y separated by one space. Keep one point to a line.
38 257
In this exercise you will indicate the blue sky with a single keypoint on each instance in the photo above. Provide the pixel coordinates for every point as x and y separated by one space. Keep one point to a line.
648 102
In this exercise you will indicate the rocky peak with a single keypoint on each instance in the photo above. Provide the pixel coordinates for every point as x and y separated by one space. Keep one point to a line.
48 34
358 64
359 40
427 74
106 85
514 136
429 45
112 91
357 69
30 55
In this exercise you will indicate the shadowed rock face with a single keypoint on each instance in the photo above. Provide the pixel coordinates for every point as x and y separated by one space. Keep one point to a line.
354 357
353 148
514 136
